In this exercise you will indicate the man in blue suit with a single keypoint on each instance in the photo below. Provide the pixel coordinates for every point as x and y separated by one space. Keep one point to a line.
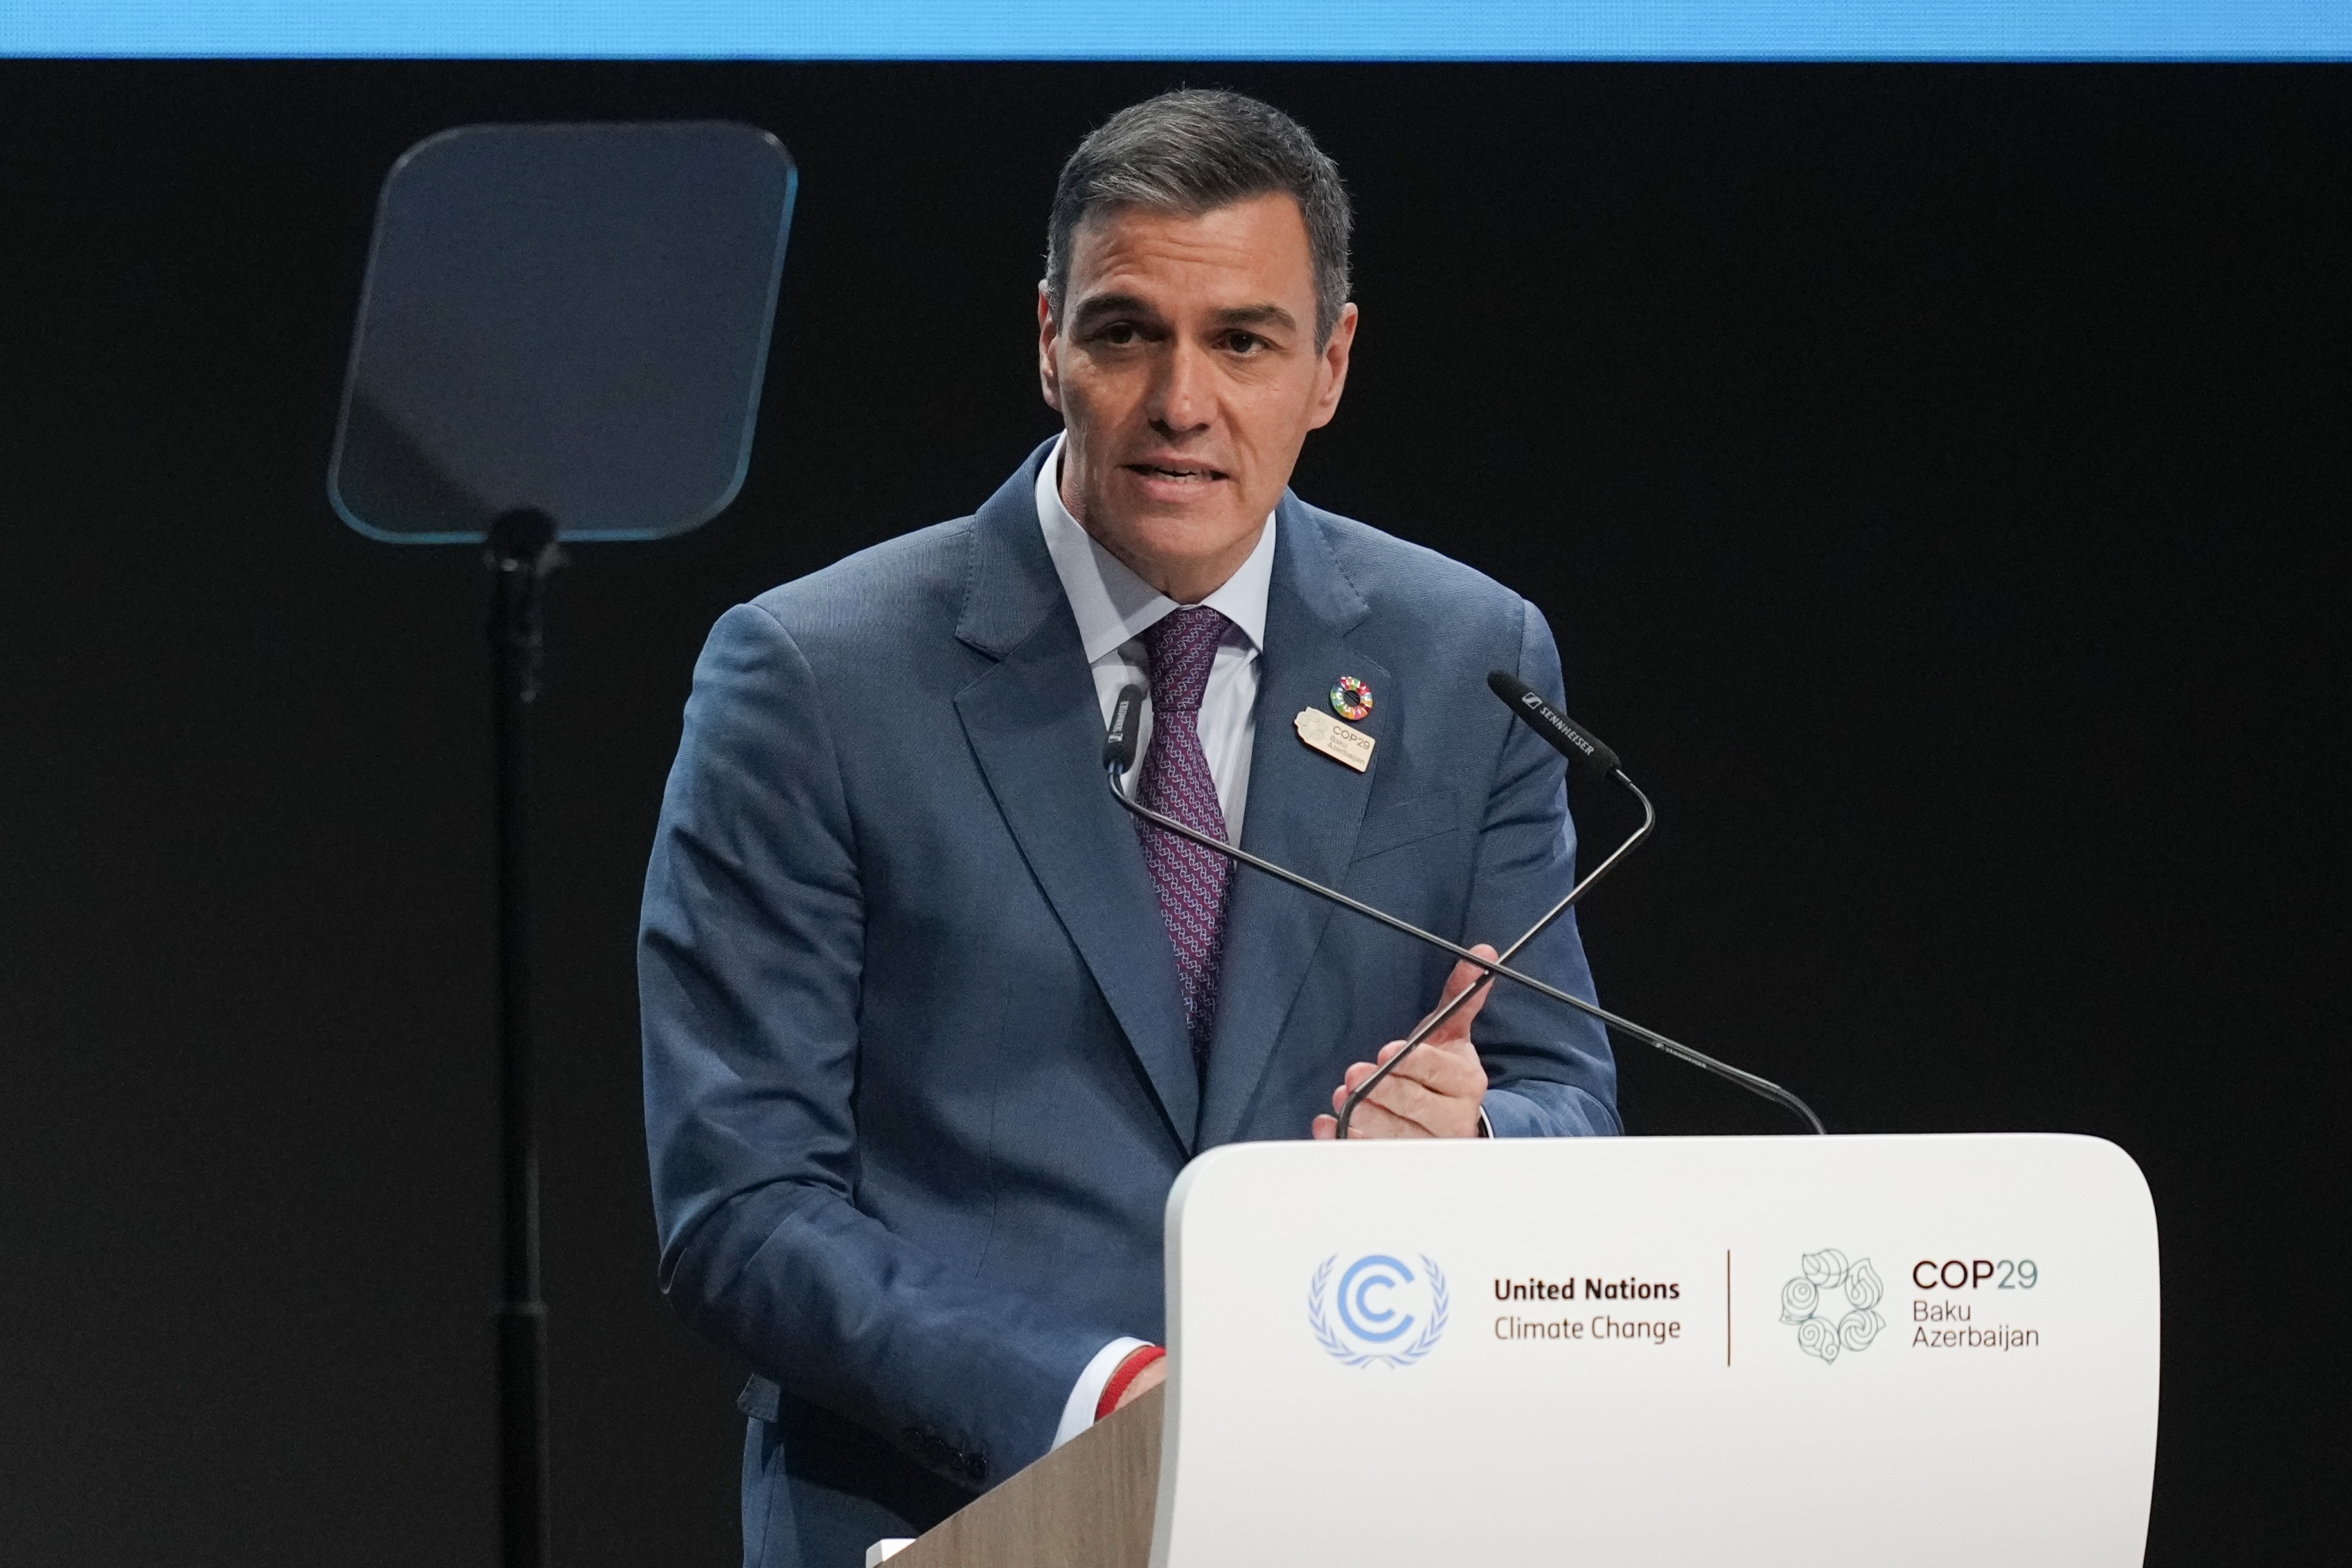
930 1023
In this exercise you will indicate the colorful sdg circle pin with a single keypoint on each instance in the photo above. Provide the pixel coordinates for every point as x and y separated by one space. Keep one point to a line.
1351 698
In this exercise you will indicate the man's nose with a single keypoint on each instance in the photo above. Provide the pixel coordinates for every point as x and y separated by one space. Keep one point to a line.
1181 399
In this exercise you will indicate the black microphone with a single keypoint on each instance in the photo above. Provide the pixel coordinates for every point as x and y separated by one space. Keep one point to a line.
1126 723
1568 737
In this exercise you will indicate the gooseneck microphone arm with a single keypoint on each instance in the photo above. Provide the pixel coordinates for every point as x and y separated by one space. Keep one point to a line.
1436 1020
1580 746
1118 755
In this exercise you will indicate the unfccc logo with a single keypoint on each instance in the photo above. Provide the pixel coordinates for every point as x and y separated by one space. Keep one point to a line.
1380 1302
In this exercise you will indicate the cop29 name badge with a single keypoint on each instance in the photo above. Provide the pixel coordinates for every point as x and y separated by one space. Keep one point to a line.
1380 1313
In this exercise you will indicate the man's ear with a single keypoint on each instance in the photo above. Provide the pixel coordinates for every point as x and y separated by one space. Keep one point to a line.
1333 369
1049 375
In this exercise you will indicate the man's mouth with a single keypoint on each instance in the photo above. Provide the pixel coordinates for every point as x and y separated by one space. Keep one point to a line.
1192 473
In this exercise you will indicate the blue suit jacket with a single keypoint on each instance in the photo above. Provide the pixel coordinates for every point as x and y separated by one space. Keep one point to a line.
917 1074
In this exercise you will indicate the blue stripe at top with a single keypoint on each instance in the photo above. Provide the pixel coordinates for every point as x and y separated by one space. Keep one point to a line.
1204 29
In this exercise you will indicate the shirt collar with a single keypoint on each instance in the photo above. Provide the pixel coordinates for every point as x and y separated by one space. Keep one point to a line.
1112 604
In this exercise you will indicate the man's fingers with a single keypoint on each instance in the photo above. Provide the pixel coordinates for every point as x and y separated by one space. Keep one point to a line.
1373 1119
1466 974
1436 1090
1450 1073
1443 1066
1401 1106
1396 1094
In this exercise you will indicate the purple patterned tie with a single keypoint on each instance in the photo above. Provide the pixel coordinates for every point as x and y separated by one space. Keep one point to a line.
1191 881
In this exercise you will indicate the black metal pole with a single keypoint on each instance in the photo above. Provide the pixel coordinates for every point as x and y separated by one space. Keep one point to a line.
523 555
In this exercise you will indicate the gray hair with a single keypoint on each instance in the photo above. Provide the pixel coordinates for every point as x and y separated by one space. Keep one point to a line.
1191 152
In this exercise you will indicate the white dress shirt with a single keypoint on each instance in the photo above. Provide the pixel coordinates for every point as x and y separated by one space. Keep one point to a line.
1115 607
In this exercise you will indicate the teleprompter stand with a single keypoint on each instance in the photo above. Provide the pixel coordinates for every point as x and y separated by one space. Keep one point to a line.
523 558
563 335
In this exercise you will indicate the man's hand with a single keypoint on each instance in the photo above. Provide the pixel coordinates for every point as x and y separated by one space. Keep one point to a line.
1438 1092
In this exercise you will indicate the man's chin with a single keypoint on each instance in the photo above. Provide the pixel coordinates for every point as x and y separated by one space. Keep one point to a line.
1164 541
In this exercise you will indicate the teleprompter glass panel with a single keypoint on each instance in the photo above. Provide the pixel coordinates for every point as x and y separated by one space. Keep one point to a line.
574 318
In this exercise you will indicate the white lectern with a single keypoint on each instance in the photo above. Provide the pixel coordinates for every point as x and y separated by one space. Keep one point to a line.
1659 1350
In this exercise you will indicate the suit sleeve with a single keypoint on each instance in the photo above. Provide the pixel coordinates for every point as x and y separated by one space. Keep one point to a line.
1550 1069
749 957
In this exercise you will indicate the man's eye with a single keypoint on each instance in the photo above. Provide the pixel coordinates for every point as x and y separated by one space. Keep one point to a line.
1244 342
1118 334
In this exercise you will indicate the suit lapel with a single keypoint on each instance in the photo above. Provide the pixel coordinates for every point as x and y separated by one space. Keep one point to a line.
1304 811
1035 727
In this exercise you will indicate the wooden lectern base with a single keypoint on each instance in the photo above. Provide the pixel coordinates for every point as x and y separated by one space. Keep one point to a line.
1087 1504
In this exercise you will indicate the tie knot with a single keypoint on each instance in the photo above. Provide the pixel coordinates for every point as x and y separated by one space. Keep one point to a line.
1182 645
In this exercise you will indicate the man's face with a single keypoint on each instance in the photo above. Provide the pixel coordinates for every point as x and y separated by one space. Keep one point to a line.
1186 373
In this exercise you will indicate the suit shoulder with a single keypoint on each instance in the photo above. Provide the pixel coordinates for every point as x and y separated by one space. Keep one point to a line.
1394 573
878 593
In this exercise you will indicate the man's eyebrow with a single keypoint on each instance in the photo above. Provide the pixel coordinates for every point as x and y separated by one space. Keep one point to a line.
1261 315
1114 305
1267 315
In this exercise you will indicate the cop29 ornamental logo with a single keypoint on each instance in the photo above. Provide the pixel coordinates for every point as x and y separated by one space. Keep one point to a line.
1833 1304
1380 1313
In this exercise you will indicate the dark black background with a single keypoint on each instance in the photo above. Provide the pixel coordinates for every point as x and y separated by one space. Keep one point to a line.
1936 477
